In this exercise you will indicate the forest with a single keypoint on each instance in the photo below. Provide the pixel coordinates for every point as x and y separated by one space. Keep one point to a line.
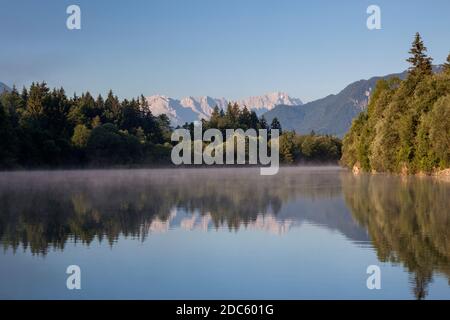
44 128
406 127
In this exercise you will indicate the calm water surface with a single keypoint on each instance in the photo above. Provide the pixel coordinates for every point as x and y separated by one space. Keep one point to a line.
223 233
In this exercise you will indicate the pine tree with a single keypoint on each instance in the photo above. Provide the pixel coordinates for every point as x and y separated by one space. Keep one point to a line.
275 124
245 118
143 104
100 103
112 108
263 123
24 94
8 139
214 119
254 120
420 62
36 100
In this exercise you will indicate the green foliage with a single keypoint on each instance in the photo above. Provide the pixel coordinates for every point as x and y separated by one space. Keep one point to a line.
8 138
276 125
319 148
81 136
43 127
440 131
289 149
309 148
420 62
293 148
108 145
407 220
406 125
447 64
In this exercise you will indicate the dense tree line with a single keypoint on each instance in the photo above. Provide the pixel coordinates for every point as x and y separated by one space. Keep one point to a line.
296 148
40 127
406 128
43 127
293 148
234 117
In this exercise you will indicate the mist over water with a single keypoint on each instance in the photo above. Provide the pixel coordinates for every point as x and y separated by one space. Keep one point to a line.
307 232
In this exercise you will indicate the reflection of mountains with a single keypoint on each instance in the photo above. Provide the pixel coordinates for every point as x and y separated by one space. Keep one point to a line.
329 213
408 221
180 219
39 210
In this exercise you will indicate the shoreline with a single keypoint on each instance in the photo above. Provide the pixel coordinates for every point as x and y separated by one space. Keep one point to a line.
169 166
442 174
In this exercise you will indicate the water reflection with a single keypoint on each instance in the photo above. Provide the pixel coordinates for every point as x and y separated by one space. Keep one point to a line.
39 210
406 220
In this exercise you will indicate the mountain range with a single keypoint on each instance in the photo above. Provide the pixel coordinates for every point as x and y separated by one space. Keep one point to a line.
334 113
330 115
190 109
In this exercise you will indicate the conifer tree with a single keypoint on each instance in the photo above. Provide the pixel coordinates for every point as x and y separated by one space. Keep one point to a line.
214 120
275 124
24 94
245 118
420 62
254 120
263 123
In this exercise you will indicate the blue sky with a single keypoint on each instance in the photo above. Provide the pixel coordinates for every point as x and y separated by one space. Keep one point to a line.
221 48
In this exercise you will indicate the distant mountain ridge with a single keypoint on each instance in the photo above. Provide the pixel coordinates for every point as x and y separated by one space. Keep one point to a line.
190 109
332 114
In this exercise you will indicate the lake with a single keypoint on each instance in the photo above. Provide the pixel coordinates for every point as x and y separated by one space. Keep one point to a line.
229 233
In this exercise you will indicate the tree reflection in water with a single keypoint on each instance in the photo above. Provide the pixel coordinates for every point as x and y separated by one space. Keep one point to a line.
39 210
408 220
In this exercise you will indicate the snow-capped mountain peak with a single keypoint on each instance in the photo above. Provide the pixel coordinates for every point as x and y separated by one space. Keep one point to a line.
191 108
268 101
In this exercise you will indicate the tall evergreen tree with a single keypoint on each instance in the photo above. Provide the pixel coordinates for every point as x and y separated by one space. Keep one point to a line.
13 104
275 124
254 120
263 123
214 120
420 62
8 139
245 118
36 100
24 94
112 108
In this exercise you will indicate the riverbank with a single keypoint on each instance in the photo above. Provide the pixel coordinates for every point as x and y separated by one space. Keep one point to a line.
442 174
